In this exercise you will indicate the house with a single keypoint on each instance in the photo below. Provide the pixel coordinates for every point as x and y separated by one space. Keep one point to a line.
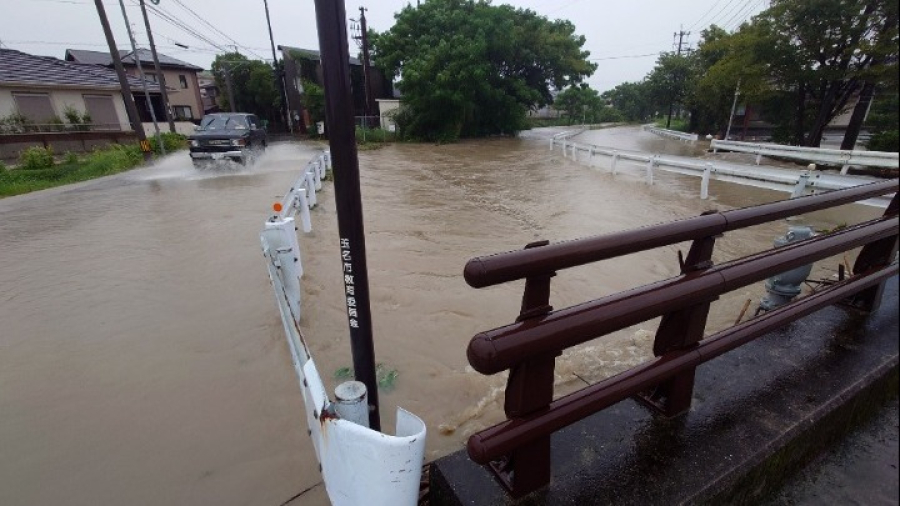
41 91
306 65
182 82
209 92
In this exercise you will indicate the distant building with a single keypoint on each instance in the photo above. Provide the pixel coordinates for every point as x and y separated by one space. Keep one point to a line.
182 82
37 91
306 65
209 92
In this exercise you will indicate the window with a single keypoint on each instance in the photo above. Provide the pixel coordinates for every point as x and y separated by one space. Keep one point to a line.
183 80
35 106
102 111
183 112
151 77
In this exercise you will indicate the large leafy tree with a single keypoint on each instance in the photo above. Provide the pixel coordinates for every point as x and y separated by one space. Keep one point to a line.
468 68
583 104
253 85
632 101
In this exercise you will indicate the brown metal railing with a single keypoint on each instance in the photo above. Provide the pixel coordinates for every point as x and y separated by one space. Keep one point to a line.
518 450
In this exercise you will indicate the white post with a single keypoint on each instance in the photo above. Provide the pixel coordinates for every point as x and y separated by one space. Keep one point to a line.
351 402
311 189
800 189
565 148
303 206
615 161
845 170
704 184
758 158
650 165
317 177
552 141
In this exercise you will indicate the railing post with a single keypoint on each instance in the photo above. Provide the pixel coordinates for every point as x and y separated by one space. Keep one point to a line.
565 146
758 158
681 330
802 182
650 164
875 256
615 161
529 389
704 184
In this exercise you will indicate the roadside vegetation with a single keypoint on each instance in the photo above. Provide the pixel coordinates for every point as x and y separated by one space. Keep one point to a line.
39 168
797 65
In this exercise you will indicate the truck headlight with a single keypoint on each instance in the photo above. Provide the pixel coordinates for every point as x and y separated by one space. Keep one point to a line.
195 144
238 142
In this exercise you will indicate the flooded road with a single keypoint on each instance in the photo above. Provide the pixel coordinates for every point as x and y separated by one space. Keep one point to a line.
142 359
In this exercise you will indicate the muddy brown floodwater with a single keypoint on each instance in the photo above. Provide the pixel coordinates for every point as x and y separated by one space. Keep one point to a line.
142 359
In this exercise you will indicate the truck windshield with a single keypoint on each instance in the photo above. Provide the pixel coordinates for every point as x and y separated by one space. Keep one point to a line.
223 123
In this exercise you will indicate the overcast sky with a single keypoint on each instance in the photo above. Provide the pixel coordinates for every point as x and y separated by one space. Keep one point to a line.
623 36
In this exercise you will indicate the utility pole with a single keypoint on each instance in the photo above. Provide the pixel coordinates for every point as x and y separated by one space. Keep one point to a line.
278 74
331 19
367 70
130 107
137 60
737 93
227 72
160 78
680 34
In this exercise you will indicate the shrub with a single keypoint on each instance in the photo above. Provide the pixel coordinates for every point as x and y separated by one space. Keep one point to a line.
71 158
888 140
72 115
171 141
36 157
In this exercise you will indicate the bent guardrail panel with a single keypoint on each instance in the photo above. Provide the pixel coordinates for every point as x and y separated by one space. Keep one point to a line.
518 450
359 465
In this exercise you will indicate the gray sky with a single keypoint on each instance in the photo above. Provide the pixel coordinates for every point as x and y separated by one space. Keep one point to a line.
615 31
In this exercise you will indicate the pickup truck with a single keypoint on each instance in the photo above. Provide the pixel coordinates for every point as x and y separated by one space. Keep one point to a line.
238 137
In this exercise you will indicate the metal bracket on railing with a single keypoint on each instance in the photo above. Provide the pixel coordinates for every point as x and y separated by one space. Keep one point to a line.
681 330
529 389
873 256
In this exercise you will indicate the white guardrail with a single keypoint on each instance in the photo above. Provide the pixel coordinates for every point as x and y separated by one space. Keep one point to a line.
797 183
835 157
671 134
358 465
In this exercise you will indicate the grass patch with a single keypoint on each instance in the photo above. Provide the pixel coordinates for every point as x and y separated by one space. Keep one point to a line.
678 125
112 160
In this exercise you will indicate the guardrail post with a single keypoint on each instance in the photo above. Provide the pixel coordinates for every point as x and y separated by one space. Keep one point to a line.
681 330
875 256
529 389
845 169
552 141
311 190
653 161
615 161
802 182
758 158
704 184
302 203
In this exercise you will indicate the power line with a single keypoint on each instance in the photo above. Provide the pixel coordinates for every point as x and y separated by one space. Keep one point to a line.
743 15
718 15
623 57
697 23
210 25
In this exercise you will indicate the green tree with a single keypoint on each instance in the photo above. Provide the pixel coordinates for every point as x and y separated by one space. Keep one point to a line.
253 84
583 104
468 68
631 100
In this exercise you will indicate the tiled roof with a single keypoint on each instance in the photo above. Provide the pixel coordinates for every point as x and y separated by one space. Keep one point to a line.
312 54
146 57
20 68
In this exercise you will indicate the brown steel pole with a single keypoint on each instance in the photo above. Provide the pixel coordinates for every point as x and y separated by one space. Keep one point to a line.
160 78
331 18
130 106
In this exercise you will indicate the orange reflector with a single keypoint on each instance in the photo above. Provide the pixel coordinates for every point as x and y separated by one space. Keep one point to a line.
277 207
